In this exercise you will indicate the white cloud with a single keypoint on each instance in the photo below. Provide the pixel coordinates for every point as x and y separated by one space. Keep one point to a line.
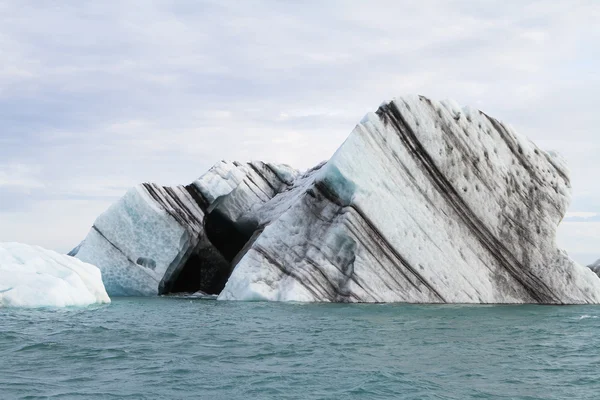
20 176
581 240
159 90
54 224
579 214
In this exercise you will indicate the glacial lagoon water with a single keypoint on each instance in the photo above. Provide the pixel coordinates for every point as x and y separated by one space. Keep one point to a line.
170 348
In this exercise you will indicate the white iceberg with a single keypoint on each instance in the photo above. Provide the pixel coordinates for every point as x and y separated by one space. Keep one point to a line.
31 276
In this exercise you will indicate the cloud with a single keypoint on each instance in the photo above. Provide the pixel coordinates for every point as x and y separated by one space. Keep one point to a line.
581 240
56 224
20 177
95 97
578 215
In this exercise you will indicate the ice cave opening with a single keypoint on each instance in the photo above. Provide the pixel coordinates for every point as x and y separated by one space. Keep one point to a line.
205 271
208 268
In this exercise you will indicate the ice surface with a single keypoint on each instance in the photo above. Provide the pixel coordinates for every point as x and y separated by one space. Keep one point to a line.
141 236
221 179
31 276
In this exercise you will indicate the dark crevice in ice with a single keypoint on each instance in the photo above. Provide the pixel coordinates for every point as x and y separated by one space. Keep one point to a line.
229 237
205 270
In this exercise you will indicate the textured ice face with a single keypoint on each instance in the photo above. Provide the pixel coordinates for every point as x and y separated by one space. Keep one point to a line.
424 202
159 239
139 237
221 179
34 277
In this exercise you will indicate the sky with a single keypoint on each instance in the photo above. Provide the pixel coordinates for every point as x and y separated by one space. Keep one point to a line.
96 97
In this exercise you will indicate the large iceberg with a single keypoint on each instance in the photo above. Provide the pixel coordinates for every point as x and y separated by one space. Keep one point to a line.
159 239
31 276
425 202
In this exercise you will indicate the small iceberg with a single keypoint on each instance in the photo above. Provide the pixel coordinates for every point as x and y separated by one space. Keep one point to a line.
31 276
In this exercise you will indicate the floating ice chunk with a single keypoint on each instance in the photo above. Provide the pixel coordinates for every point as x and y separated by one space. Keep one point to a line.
31 276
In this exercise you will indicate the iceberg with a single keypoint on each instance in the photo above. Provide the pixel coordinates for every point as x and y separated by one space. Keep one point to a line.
31 276
159 239
425 202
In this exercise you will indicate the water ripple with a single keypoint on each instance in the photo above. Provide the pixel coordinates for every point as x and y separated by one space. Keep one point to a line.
190 348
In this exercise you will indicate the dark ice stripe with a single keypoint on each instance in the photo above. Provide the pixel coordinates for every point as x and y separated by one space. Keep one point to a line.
94 227
285 271
173 205
537 289
263 176
198 197
380 238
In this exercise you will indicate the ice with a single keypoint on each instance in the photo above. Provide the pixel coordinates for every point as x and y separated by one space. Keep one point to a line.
157 239
595 267
139 238
221 179
31 276
425 202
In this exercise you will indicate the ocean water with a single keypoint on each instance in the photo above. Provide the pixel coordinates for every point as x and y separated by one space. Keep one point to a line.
168 348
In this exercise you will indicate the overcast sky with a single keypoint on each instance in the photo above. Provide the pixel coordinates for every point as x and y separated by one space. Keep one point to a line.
98 96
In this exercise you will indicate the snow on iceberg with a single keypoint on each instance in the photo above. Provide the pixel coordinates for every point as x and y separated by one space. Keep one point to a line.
31 276
425 202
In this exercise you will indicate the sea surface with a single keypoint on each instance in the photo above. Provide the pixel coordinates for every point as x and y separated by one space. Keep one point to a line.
181 348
